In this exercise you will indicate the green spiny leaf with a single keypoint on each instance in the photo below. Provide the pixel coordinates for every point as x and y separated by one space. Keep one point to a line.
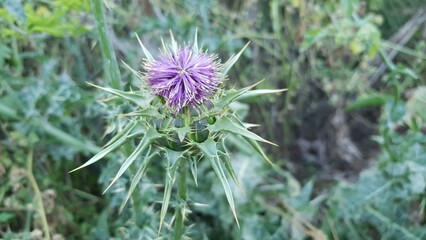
181 132
137 131
195 45
194 169
145 51
150 136
139 174
173 159
126 130
210 151
139 75
225 124
147 112
226 159
103 153
174 44
256 93
135 97
230 96
258 149
232 60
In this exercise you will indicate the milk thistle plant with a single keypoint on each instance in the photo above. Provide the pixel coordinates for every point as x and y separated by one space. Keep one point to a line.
182 116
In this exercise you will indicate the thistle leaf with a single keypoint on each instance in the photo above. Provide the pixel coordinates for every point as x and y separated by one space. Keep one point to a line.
210 151
232 60
173 159
225 124
195 45
147 112
252 142
137 131
139 174
150 136
174 44
145 51
181 132
104 152
194 169
258 149
117 136
133 70
135 97
230 96
226 159
256 93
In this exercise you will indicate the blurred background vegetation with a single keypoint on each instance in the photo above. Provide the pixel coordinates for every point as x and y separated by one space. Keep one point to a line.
351 129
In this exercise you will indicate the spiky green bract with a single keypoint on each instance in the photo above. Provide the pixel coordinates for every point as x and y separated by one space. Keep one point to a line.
179 139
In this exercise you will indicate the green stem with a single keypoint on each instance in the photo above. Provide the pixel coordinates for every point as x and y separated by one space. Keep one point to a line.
16 58
187 116
110 60
37 195
182 195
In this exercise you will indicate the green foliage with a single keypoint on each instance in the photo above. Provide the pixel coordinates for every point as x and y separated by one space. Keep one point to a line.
58 18
324 53
387 199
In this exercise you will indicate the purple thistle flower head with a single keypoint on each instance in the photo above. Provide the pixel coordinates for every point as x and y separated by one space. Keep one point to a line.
183 76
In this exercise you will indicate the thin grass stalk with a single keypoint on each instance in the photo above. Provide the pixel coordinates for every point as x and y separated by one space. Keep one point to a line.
37 195
112 72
